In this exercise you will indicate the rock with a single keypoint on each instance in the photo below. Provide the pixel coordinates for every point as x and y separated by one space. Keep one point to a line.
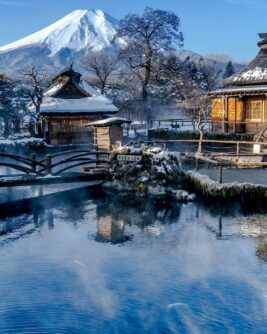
184 196
157 190
156 172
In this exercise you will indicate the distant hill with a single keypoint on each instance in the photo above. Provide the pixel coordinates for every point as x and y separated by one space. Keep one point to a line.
69 40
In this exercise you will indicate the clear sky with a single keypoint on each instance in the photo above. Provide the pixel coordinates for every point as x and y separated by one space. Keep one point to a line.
209 26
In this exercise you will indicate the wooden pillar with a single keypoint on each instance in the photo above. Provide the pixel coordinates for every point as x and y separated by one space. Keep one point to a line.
48 161
224 115
220 175
33 158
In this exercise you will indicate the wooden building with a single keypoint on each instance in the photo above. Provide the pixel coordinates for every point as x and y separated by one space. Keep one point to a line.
241 104
108 132
67 106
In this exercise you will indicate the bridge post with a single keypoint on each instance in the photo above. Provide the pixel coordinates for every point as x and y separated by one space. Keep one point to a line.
48 162
220 174
33 164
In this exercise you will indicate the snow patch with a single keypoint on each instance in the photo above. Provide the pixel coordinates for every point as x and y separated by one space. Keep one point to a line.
257 73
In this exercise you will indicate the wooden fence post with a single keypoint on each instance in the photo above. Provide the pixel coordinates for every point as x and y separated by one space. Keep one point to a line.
33 164
48 161
237 148
220 176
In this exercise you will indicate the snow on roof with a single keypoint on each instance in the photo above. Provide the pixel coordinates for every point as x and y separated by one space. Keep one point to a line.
254 73
96 102
55 88
109 121
85 105
89 89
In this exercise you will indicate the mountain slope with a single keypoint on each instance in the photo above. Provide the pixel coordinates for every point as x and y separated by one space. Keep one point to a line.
66 40
69 40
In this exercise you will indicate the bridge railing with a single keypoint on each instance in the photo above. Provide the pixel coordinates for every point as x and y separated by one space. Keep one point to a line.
54 164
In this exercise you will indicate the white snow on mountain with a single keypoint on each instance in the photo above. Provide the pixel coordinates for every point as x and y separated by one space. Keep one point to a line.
81 29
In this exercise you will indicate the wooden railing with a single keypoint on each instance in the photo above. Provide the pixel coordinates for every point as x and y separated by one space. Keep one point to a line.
53 164
213 125
210 147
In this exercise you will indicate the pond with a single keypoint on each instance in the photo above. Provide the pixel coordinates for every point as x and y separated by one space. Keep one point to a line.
93 262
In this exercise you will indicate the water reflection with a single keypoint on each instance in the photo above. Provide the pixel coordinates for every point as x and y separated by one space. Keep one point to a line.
63 272
111 231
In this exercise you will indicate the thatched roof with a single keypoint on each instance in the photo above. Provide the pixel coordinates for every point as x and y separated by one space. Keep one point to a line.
255 73
69 95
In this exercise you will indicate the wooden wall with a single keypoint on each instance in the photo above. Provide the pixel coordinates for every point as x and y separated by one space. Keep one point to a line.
106 137
68 129
217 109
235 111
234 108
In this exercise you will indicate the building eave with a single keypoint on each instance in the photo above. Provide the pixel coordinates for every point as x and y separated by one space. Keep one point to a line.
239 91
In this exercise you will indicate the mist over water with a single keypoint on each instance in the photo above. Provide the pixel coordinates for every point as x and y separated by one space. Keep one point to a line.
98 263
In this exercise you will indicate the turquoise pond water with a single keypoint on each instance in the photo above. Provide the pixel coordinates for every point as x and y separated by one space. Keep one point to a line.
88 262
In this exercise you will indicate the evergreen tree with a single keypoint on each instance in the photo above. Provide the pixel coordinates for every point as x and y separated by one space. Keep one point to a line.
229 70
8 104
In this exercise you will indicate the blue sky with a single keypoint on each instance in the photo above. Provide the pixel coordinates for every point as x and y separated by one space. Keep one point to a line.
209 26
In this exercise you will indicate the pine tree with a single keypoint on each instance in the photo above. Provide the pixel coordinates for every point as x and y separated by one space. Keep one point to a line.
229 70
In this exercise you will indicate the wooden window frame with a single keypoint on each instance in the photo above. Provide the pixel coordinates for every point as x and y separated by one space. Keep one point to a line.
250 110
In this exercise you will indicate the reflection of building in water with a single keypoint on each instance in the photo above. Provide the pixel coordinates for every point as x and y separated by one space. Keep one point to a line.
109 230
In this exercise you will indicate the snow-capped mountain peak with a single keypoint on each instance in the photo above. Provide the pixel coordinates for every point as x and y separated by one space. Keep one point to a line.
79 30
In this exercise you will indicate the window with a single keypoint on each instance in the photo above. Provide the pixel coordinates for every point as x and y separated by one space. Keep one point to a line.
254 110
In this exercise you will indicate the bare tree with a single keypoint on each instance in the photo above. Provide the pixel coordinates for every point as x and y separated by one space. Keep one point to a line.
202 113
36 83
146 35
102 67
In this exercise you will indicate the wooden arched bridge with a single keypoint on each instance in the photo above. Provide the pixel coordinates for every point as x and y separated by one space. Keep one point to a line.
53 168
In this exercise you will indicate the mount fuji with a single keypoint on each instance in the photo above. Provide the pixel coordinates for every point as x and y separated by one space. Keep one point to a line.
65 41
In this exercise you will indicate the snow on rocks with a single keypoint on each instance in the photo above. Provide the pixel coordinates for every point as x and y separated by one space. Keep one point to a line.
184 196
208 188
158 172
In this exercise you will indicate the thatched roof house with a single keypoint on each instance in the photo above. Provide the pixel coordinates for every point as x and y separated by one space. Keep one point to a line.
68 104
240 105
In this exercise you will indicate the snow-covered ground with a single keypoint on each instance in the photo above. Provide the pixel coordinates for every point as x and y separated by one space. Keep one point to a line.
17 140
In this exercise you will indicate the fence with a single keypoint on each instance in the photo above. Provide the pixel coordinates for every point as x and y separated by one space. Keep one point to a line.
53 164
212 125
